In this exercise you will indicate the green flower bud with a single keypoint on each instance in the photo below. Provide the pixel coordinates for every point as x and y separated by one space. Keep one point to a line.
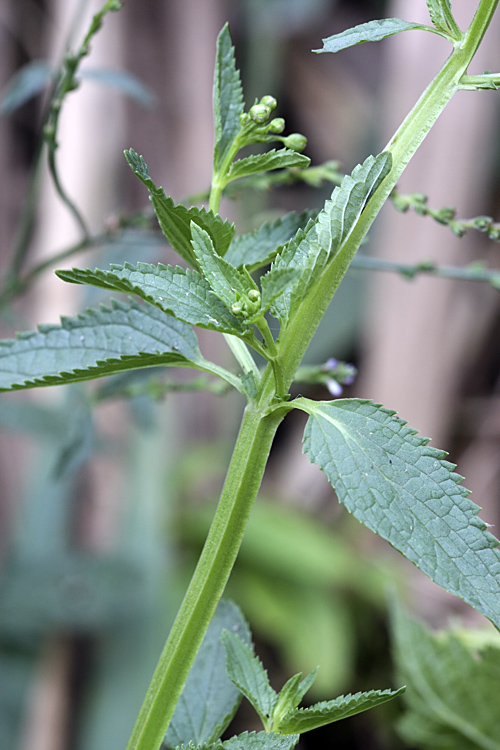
269 102
259 113
277 125
295 141
244 118
254 295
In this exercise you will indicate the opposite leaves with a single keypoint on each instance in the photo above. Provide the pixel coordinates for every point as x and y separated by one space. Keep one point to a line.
402 489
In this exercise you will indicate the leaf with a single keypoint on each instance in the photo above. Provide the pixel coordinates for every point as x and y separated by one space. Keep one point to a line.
209 699
261 741
440 13
452 687
259 248
291 694
392 481
177 291
29 81
373 31
175 221
246 671
228 97
274 283
273 159
224 279
311 249
304 719
95 344
124 82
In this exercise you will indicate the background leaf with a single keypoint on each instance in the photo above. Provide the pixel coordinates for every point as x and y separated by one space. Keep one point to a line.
124 82
95 344
29 81
228 97
209 699
373 31
402 489
452 687
179 292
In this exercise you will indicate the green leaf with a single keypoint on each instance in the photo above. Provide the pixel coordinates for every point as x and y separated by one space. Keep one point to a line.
291 694
273 159
304 719
179 292
209 699
452 687
228 97
402 489
274 283
311 249
246 671
261 741
259 248
442 17
175 221
95 344
373 31
224 279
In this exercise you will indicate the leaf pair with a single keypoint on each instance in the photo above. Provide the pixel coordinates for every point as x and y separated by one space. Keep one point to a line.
211 695
279 712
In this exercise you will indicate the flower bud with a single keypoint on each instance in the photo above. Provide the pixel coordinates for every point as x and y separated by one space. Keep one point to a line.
259 113
295 141
254 295
277 125
269 102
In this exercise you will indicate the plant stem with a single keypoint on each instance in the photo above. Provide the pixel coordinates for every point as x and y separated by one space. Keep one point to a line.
210 577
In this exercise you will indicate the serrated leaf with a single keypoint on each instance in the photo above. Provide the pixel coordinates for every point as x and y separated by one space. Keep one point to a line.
373 31
96 344
175 220
177 291
259 248
452 688
261 741
311 249
223 278
273 159
305 719
391 480
209 699
246 671
227 97
26 83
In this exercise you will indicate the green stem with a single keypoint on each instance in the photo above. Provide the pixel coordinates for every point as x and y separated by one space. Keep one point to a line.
402 146
210 577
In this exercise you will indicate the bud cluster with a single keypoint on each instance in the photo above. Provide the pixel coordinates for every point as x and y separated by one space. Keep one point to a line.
260 129
246 304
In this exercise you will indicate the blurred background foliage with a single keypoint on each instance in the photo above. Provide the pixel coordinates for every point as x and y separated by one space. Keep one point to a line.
107 489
